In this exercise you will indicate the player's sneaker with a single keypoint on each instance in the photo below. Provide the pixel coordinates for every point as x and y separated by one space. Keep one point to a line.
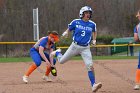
25 79
136 87
97 86
47 78
56 52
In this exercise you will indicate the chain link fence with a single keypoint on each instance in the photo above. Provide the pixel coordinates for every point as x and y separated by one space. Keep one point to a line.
21 49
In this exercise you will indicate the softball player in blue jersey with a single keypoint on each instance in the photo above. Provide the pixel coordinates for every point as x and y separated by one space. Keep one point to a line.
41 52
83 30
137 38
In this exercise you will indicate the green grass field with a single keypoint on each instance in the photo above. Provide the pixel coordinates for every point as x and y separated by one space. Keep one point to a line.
28 59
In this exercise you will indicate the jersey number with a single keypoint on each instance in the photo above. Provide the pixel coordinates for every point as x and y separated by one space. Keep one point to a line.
83 33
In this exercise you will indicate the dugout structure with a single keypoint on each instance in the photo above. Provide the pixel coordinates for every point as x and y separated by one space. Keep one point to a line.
125 40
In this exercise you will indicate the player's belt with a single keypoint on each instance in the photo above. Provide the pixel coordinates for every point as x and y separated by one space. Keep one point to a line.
80 44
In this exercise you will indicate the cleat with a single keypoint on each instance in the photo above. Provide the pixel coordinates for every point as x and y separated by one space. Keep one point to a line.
56 52
25 79
95 87
136 87
47 78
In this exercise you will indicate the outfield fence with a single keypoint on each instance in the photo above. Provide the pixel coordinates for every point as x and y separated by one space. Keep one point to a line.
21 49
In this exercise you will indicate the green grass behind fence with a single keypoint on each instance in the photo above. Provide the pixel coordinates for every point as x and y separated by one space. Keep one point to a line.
28 59
22 59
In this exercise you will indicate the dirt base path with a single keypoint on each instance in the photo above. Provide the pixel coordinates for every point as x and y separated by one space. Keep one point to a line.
117 76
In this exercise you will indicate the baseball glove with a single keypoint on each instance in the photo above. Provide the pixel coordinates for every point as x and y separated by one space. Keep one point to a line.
53 71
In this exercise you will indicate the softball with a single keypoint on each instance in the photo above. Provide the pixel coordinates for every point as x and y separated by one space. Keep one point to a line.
54 71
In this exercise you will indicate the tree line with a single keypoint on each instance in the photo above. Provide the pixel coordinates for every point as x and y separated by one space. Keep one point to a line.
113 17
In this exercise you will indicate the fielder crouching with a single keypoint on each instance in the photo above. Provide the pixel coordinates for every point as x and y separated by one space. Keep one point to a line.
41 52
83 30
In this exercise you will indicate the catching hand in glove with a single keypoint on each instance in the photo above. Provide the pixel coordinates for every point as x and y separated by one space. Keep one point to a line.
53 71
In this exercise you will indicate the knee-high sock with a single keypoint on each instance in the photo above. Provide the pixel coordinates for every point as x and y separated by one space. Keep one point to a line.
138 76
48 70
91 77
31 69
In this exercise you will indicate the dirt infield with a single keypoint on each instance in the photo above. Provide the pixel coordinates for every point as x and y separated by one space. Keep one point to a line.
117 76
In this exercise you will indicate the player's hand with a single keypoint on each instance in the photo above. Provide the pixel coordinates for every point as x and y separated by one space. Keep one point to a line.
94 42
52 65
65 34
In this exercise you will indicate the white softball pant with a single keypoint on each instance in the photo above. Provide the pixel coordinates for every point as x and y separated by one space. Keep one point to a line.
75 49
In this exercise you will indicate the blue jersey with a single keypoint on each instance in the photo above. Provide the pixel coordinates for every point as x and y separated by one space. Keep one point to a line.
82 31
44 42
137 28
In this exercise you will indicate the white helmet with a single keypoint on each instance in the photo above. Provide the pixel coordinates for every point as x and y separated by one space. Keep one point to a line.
83 9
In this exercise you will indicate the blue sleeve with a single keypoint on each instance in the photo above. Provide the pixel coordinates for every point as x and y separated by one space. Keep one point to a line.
43 42
94 28
72 25
135 30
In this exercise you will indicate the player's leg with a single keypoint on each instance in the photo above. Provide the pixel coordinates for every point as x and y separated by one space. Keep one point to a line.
37 61
72 51
48 68
137 86
87 57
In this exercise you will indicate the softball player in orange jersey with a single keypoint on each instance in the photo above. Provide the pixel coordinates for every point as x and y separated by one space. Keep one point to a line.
38 54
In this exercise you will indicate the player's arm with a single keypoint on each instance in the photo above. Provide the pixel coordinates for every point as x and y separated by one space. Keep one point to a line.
41 52
65 33
94 34
71 27
51 57
136 38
